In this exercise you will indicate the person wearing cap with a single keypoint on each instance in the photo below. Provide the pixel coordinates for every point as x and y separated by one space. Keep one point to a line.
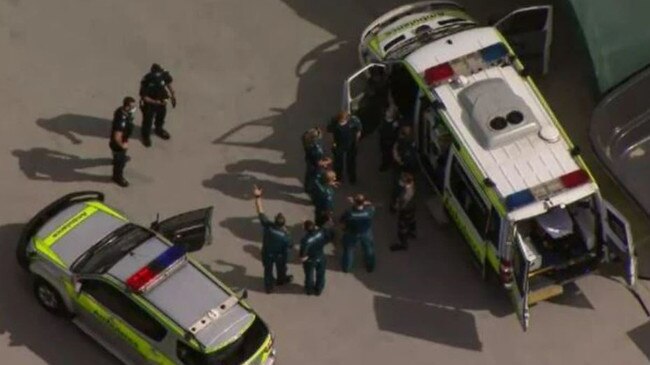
276 244
121 130
388 130
314 152
155 90
357 228
405 206
346 131
313 257
324 197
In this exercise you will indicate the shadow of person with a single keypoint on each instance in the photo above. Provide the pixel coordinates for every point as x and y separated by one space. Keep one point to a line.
24 323
237 278
641 337
71 126
45 164
239 185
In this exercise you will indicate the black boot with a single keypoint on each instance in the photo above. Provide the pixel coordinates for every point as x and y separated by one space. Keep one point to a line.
162 133
287 279
146 141
121 181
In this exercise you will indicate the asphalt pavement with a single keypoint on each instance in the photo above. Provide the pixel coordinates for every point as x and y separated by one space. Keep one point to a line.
250 77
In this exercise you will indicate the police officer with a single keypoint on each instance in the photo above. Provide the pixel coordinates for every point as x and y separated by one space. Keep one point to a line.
375 100
275 245
120 132
388 131
314 152
357 227
324 197
405 212
155 89
313 257
405 156
346 130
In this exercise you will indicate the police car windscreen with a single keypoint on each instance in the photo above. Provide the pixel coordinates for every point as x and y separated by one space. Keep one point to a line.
102 256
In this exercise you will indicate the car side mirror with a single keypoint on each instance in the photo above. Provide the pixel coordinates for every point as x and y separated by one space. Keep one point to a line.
243 294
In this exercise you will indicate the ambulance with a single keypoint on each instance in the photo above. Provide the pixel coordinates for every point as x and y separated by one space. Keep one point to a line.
506 172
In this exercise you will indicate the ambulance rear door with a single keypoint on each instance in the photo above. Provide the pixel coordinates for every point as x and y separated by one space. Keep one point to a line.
520 288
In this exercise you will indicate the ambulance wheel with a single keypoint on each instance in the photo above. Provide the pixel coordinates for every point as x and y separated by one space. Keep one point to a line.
49 298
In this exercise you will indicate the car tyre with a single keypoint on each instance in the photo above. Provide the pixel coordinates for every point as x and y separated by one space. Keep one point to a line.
49 298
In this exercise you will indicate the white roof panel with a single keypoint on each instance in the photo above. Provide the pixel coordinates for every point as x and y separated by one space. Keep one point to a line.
525 163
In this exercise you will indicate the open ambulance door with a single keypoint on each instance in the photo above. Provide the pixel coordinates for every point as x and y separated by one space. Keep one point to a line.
191 230
529 32
355 87
617 235
519 291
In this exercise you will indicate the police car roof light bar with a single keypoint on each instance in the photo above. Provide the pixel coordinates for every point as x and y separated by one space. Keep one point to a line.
437 74
158 269
575 178
519 199
494 52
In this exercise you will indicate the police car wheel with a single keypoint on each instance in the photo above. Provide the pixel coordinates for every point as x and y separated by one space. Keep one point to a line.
49 298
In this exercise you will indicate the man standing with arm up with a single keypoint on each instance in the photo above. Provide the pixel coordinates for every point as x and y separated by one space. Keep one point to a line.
120 132
276 244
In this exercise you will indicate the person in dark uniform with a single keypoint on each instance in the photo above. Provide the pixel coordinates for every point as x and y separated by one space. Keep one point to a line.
324 198
276 244
312 255
155 90
388 131
121 130
405 205
357 228
346 130
323 166
314 152
375 100
406 160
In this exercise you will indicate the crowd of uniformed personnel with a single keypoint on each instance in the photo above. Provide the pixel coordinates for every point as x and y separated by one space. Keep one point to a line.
323 174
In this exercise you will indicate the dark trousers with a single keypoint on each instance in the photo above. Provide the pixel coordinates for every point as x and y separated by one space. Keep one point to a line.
349 246
279 261
346 159
119 161
152 115
317 267
386 149
406 225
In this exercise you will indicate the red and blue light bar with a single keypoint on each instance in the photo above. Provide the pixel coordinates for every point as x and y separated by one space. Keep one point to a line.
527 196
158 269
444 72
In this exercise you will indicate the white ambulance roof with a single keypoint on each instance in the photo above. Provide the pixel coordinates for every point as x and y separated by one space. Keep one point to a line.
525 162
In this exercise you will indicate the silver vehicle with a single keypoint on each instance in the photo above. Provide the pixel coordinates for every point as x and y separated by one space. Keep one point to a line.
135 290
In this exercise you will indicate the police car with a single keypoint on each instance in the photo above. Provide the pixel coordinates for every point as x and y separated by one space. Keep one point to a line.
506 172
135 290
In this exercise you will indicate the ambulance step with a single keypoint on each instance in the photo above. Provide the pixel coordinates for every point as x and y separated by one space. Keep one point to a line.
437 210
544 293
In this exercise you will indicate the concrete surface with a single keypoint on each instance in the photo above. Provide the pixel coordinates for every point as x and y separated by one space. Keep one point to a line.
250 76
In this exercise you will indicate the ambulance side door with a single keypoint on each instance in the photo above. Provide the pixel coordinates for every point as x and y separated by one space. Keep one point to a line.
520 289
355 86
191 230
617 235
529 32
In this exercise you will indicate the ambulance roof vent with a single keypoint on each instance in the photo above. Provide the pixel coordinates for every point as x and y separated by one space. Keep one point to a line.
495 114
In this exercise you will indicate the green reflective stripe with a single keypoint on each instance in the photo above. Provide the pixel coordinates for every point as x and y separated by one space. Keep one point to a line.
262 353
423 19
106 209
44 245
122 329
492 257
462 222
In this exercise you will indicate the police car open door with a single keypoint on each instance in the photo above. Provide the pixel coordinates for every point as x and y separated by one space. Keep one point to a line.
355 87
529 32
618 237
192 230
520 287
